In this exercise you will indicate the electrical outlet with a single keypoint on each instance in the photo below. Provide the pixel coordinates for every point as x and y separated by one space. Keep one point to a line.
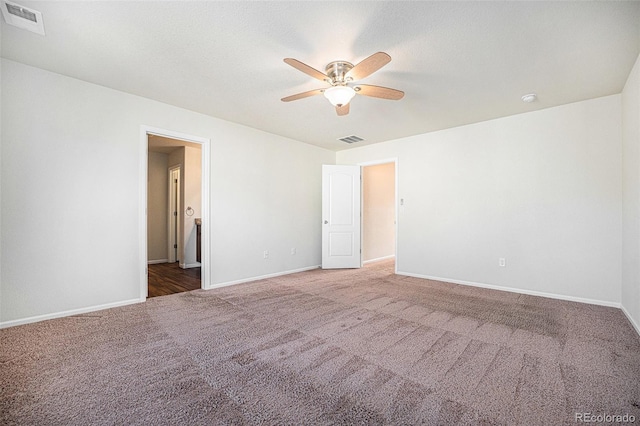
502 262
265 254
293 250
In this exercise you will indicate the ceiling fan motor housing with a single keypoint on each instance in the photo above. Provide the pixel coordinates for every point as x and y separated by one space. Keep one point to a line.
337 72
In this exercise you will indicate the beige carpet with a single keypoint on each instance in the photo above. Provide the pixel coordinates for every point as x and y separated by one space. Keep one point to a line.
324 347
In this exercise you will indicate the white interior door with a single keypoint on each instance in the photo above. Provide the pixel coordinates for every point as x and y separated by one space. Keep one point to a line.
341 217
174 218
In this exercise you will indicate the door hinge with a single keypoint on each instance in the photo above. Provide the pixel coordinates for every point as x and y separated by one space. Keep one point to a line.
175 246
175 213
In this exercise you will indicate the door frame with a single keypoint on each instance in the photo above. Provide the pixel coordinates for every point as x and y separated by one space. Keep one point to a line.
145 131
174 207
396 198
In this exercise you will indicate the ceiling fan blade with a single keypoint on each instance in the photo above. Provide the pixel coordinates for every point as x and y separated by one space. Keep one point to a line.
302 95
368 66
343 110
300 66
379 92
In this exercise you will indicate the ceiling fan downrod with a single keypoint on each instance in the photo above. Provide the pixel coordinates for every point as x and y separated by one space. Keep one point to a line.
337 72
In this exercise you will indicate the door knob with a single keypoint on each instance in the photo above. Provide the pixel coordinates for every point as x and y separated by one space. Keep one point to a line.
326 222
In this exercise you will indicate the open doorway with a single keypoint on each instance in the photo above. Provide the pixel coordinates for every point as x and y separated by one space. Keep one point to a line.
379 212
176 245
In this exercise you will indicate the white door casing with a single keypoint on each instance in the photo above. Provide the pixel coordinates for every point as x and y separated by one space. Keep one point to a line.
341 243
205 143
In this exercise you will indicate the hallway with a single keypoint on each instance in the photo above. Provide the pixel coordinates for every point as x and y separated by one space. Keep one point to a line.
169 278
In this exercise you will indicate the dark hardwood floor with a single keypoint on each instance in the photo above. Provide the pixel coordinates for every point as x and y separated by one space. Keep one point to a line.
169 278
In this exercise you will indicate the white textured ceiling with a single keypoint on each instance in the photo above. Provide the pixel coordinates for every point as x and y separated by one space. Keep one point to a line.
458 62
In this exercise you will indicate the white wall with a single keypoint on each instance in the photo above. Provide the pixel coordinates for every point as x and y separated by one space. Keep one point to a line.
157 206
540 189
378 211
631 196
70 181
191 196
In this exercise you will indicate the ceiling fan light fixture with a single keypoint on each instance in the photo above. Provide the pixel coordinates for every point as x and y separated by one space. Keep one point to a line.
339 95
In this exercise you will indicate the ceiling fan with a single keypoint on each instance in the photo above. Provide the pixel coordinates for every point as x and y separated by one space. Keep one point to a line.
341 75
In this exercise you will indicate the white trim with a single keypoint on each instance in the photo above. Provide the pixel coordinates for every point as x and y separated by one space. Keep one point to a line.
190 265
630 318
397 202
79 311
378 162
378 259
262 277
205 237
143 154
516 290
396 195
205 277
156 261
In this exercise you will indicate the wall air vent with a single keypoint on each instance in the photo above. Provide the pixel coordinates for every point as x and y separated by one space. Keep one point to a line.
351 139
22 17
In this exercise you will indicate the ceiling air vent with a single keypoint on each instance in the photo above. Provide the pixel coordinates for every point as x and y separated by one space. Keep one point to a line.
351 139
22 17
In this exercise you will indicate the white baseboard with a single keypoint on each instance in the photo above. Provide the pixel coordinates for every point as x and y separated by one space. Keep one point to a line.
132 301
517 290
68 313
153 262
262 277
190 265
631 320
378 259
